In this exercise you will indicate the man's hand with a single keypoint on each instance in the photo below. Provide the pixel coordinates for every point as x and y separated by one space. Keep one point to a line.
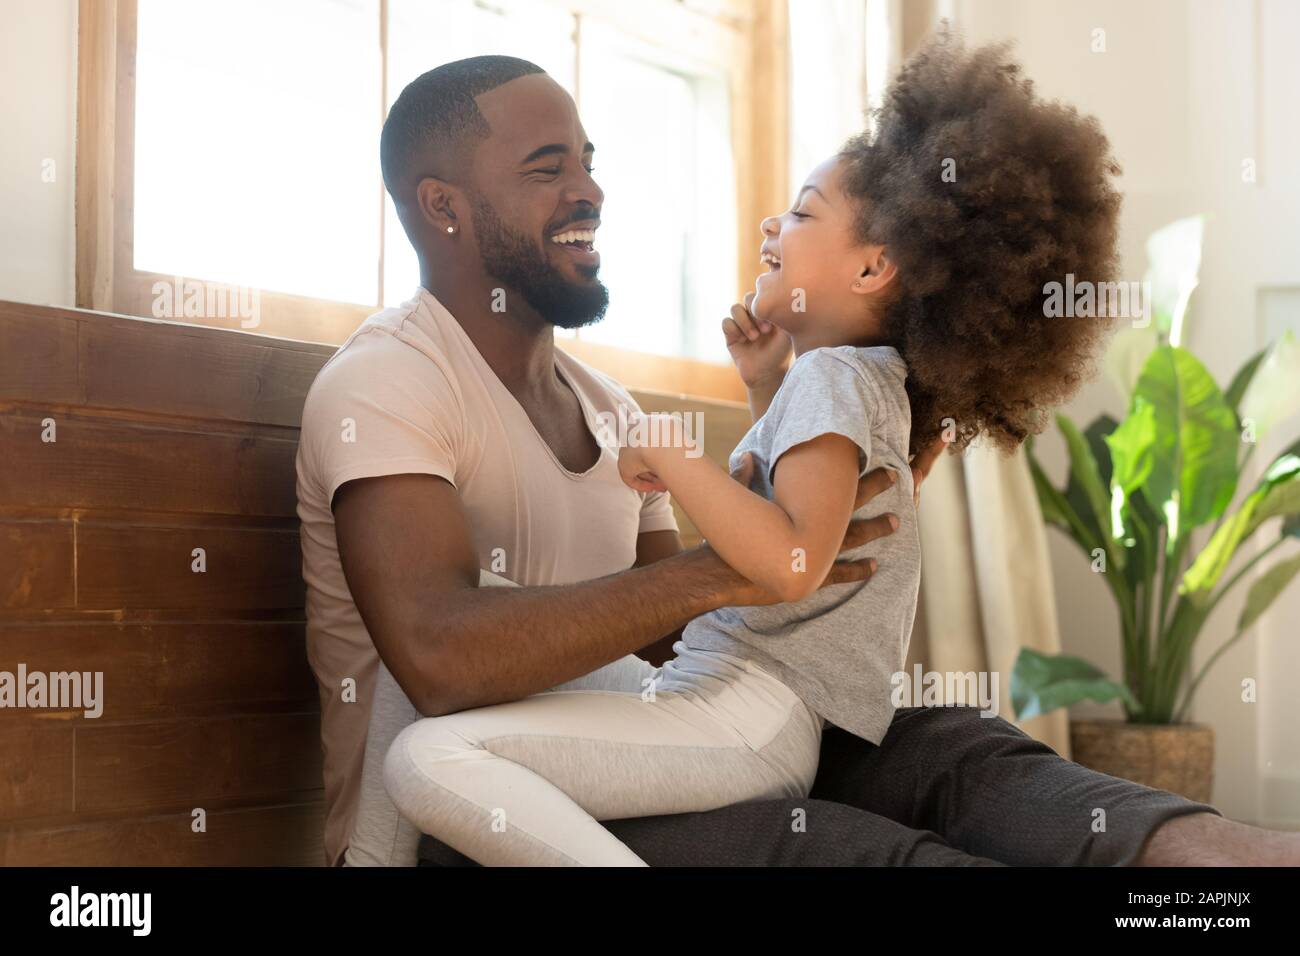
922 462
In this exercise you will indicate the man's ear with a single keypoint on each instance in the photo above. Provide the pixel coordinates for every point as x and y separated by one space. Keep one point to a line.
437 201
878 271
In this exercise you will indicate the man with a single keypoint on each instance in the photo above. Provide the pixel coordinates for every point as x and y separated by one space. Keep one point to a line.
449 435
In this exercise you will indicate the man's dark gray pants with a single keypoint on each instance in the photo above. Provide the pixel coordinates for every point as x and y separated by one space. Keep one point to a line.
945 787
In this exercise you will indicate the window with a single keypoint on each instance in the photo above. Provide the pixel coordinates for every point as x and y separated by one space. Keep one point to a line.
662 130
265 144
239 143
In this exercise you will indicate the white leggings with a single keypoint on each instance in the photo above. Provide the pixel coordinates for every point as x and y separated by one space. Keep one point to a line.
525 783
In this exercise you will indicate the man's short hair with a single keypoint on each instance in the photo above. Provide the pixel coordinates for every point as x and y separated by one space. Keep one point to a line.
436 113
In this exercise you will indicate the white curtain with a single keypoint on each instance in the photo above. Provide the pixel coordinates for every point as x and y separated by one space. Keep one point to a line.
842 55
986 581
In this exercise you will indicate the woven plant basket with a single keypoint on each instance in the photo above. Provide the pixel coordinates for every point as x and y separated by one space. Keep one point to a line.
1174 757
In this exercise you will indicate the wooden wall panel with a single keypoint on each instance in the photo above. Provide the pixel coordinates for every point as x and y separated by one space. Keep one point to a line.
37 566
104 463
121 566
36 772
167 438
264 836
171 668
193 373
38 359
214 763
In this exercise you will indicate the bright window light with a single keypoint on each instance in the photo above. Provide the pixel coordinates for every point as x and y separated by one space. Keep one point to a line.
256 149
827 80
667 238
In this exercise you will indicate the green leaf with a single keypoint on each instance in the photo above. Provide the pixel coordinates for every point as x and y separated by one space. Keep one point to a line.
1056 509
1292 450
1125 356
1270 584
1090 500
1237 388
1283 490
1139 524
1096 433
1194 465
1042 683
1144 523
1205 572
1132 452
1273 393
1050 501
1278 494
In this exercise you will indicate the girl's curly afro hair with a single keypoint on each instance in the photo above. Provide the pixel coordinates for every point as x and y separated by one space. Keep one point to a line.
983 194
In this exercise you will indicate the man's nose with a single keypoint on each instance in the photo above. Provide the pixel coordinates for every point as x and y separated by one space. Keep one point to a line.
585 190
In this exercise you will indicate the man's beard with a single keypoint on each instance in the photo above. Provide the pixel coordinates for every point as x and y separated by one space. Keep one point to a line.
510 258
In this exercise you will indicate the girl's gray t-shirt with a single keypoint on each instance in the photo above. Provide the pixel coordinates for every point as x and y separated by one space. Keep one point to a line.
839 648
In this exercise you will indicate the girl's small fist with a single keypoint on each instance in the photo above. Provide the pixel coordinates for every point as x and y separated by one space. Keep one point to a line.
758 348
636 472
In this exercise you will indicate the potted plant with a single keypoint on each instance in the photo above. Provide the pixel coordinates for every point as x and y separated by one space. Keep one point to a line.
1149 501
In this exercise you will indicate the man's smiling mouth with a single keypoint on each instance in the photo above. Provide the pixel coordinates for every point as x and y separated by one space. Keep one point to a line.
578 240
584 239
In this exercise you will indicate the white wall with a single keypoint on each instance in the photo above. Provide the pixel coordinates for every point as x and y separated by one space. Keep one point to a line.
1186 90
38 88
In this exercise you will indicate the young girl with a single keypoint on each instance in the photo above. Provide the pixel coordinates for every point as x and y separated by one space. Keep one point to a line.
907 280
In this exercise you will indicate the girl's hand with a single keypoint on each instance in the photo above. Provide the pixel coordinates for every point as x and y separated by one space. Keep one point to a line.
636 471
758 347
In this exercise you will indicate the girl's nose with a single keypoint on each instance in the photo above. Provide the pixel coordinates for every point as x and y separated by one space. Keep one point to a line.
769 226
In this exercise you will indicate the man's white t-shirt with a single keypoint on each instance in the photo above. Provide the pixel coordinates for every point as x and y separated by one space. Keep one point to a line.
408 393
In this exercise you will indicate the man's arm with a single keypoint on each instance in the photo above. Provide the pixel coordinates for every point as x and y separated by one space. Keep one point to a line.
406 549
654 546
